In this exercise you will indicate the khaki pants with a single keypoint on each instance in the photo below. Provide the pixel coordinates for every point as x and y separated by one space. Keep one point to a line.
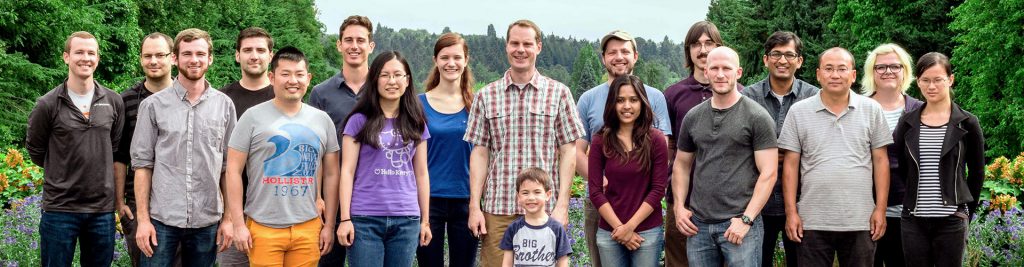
675 242
591 220
490 254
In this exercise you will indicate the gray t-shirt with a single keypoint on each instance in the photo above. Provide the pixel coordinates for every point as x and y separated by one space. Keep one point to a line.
724 141
284 164
836 182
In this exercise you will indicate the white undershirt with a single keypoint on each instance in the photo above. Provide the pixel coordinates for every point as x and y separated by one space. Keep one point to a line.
82 102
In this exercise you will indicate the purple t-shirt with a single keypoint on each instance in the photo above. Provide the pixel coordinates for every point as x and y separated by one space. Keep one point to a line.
385 180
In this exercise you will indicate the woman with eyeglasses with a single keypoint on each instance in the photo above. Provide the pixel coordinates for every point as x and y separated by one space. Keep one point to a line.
633 156
449 93
887 76
942 155
384 180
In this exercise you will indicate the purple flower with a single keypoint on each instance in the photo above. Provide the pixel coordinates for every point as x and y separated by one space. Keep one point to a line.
10 240
33 245
11 264
117 255
31 185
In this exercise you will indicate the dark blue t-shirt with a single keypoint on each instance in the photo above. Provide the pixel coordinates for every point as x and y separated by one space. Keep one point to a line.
447 153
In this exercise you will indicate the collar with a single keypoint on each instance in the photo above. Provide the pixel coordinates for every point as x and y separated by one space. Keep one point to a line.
797 88
182 94
695 85
853 103
532 83
64 92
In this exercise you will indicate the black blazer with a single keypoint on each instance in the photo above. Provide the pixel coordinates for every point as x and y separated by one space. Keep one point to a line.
964 146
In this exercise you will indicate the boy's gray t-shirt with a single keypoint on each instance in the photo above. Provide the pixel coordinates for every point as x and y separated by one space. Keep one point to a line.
836 171
723 142
284 161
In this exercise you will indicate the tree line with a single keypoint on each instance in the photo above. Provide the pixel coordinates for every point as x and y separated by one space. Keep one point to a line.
983 37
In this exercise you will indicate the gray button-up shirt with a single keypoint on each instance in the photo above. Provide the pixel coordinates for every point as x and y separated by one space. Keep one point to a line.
761 92
184 144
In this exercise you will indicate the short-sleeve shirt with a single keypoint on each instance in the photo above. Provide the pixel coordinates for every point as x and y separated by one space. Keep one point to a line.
522 127
245 99
724 170
835 160
385 180
285 154
447 153
592 103
536 245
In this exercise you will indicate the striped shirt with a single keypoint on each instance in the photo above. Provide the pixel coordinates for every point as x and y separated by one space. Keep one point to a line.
131 98
522 127
892 117
929 189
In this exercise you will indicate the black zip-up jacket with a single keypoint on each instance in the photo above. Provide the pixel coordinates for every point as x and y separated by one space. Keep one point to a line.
76 152
963 153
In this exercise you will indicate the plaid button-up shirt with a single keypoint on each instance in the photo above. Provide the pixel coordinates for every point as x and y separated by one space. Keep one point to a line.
522 127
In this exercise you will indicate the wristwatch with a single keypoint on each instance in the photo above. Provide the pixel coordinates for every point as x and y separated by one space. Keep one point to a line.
746 220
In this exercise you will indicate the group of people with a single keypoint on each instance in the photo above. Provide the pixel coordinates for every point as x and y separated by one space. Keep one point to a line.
370 173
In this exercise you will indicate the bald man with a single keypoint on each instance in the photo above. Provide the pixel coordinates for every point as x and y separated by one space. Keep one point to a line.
835 150
732 141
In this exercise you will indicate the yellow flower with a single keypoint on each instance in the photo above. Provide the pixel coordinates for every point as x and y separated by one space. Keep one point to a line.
14 158
3 181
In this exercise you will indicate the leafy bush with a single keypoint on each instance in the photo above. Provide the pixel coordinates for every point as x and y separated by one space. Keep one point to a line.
994 239
1004 183
19 178
20 244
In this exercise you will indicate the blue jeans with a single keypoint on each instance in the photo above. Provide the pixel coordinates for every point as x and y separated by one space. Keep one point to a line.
389 241
709 247
198 246
615 254
59 232
449 216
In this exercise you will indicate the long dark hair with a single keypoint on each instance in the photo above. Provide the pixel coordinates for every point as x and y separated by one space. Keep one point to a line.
613 148
466 81
410 122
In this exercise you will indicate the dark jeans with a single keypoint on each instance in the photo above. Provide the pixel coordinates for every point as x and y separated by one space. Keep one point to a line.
198 246
773 227
890 247
337 255
59 233
128 226
935 241
819 248
449 215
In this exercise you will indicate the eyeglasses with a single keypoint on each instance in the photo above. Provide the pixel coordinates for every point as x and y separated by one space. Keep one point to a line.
156 56
830 70
707 44
776 55
929 82
894 68
397 76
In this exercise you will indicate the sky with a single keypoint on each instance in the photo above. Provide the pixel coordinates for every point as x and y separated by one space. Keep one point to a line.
591 19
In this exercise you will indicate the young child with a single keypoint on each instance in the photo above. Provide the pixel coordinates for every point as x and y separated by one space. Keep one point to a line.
535 239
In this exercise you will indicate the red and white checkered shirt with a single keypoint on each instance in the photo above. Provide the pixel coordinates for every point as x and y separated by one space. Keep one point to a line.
522 127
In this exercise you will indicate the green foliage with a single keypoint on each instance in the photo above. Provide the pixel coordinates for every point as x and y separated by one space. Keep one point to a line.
994 238
19 178
32 35
746 24
1004 182
919 26
989 72
655 74
586 71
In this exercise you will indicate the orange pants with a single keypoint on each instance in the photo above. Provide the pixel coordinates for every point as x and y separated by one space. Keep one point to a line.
296 245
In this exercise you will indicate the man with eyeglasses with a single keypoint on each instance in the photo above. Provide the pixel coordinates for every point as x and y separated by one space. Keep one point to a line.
156 66
338 95
253 49
178 157
835 146
681 97
777 93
